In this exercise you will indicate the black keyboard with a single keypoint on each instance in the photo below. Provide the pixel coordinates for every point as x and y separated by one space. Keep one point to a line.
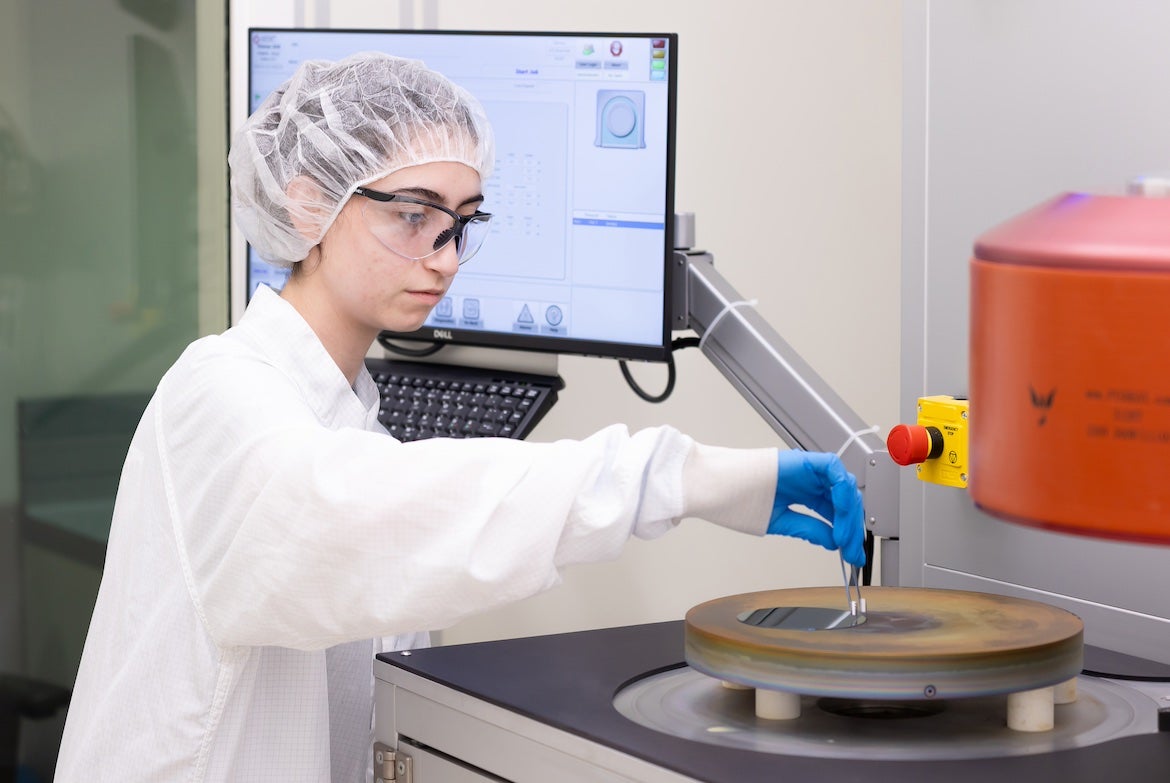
422 400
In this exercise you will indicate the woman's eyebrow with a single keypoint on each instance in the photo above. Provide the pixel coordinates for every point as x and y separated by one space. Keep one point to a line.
429 195
423 193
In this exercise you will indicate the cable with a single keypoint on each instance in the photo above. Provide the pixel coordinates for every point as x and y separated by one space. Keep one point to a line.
682 342
385 342
670 374
676 344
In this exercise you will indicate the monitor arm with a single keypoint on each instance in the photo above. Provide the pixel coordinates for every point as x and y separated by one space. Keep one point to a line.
796 402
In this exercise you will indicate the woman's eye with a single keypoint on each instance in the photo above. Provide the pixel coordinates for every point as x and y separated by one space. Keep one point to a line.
413 218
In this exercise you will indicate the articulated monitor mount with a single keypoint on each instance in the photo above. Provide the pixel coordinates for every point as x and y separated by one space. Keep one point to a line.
790 396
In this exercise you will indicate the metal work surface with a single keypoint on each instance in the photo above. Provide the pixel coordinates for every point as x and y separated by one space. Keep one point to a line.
569 681
915 643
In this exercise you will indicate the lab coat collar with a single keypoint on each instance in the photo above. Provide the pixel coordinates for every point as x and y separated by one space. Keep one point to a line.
279 331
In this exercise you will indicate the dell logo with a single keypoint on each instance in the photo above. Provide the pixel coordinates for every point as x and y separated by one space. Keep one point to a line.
443 334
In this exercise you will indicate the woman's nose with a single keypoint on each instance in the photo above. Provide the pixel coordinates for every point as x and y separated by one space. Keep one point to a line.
446 261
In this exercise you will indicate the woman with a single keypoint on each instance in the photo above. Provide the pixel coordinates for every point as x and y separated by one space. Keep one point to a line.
269 537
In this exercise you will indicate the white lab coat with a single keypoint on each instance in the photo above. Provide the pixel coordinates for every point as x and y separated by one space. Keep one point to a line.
266 527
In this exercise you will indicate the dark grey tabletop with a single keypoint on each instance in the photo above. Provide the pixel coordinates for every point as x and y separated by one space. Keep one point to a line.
569 680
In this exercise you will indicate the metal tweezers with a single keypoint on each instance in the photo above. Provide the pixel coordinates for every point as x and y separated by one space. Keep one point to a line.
852 579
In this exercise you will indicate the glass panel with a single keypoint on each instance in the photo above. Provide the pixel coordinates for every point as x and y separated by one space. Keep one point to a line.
99 293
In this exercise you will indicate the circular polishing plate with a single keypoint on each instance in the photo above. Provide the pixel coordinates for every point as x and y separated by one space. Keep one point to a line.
915 643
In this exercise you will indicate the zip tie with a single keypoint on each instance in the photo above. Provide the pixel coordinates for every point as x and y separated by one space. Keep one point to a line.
726 309
855 436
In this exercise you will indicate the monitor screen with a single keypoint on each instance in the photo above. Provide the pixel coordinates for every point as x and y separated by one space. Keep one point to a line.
579 254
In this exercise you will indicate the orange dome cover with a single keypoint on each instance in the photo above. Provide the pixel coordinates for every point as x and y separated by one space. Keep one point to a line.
1070 367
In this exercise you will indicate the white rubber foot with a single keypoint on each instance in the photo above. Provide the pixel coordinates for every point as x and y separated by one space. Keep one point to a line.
1065 692
1031 710
777 705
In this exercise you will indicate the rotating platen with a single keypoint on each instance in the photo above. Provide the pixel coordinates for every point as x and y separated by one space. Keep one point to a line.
923 674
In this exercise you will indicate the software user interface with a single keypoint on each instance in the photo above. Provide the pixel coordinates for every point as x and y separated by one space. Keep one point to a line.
579 193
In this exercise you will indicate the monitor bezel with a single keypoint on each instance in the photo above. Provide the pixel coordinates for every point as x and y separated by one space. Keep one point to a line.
519 341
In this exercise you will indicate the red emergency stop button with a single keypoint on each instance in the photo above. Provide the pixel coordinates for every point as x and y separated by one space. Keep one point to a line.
910 444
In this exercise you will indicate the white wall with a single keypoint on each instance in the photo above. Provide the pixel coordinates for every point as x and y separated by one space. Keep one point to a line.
789 154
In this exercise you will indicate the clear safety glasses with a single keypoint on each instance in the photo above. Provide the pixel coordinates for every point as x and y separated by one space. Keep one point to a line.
416 229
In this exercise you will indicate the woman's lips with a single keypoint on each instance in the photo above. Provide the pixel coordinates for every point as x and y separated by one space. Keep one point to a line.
431 298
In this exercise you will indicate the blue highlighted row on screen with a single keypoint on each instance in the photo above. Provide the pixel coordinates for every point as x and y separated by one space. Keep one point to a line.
617 223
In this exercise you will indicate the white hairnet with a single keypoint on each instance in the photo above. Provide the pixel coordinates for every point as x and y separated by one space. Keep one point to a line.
342 125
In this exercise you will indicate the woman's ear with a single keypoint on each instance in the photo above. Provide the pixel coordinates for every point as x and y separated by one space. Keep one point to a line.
305 207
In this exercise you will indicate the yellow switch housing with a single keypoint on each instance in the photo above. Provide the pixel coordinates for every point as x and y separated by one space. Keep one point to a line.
949 416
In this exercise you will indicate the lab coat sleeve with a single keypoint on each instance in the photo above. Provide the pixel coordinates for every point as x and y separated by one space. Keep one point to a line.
294 534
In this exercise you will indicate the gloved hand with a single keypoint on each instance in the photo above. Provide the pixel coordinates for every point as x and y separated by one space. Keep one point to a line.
819 482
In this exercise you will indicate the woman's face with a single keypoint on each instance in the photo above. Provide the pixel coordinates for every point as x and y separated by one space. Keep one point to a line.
368 286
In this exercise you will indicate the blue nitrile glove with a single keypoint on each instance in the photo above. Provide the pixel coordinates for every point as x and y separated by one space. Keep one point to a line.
819 481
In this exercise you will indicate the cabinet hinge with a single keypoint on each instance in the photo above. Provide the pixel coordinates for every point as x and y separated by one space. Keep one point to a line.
392 765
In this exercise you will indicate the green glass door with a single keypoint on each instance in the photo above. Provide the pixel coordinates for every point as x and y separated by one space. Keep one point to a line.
113 216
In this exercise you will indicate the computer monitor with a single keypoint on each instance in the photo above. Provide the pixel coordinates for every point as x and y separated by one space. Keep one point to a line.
580 252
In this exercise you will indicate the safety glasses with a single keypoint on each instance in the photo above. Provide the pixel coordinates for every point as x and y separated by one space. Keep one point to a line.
416 229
